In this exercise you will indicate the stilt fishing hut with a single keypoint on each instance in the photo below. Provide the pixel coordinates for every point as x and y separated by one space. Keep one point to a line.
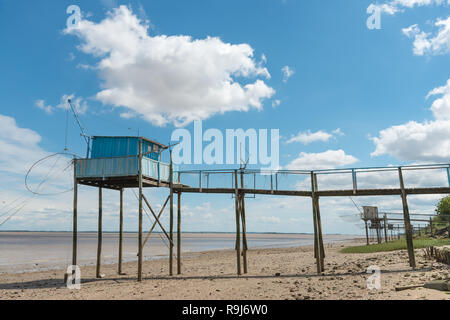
118 163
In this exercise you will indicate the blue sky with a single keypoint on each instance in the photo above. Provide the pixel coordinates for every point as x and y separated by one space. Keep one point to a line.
367 83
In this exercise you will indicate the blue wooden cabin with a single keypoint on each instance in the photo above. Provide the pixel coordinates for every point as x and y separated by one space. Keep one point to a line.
114 163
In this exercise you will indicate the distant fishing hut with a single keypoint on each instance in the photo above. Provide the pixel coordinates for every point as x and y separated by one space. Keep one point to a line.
124 162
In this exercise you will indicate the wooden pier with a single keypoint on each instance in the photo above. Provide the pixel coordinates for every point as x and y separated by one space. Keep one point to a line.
234 184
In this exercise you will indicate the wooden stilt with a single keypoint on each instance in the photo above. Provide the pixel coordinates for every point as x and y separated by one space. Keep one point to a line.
99 235
171 216
431 226
140 258
179 234
244 228
320 237
120 232
75 214
319 228
238 235
385 229
408 228
367 232
316 235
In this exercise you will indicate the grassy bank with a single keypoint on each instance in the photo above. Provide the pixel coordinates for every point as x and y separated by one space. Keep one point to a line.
396 245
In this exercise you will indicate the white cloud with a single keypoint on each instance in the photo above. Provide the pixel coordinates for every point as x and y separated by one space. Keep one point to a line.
309 137
394 6
170 78
41 105
79 104
325 160
420 141
287 73
276 103
426 42
441 106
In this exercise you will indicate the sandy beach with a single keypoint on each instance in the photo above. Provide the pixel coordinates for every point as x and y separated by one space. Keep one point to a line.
274 274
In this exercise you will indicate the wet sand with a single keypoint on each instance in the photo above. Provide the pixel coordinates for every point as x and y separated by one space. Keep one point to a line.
41 251
281 273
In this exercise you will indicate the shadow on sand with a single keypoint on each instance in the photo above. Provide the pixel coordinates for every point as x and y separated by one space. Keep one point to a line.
59 283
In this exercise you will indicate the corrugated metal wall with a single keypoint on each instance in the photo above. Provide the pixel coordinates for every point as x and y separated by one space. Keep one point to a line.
107 147
123 167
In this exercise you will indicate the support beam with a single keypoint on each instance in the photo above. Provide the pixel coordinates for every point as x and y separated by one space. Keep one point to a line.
244 228
385 229
431 226
99 234
317 254
319 227
75 214
179 234
156 221
367 232
408 228
238 234
171 216
140 257
121 233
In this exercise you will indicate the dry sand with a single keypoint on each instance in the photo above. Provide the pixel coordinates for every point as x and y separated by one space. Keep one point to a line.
211 275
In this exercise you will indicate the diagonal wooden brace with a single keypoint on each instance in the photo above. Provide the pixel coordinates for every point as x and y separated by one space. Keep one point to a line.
156 218
154 223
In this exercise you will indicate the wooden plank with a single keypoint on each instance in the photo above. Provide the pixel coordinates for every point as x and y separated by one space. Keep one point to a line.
322 193
99 234
408 228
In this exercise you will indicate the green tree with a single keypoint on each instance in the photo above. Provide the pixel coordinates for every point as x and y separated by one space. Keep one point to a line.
443 209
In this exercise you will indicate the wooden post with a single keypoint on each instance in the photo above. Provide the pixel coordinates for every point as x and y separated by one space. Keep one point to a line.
238 235
378 227
431 226
179 234
319 227
244 228
408 229
140 215
367 232
316 236
75 214
99 235
121 232
385 229
171 216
